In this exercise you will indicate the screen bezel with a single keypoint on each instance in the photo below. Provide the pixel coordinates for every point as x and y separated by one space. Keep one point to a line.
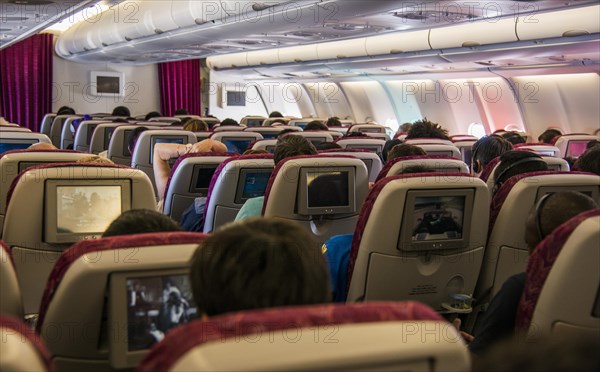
196 170
50 231
239 199
302 207
405 242
119 355
154 138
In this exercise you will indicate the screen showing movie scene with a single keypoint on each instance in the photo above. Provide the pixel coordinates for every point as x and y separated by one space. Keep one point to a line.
254 122
327 189
438 218
86 209
255 184
237 145
108 84
576 148
154 306
13 146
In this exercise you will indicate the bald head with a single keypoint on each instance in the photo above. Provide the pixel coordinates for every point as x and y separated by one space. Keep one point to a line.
555 210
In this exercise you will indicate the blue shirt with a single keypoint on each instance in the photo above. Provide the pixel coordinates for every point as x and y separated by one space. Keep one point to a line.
251 208
337 252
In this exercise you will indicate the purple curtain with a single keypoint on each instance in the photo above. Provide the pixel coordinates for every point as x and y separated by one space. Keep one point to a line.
26 80
179 87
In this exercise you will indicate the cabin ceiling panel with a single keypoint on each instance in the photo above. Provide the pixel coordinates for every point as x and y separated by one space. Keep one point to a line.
208 28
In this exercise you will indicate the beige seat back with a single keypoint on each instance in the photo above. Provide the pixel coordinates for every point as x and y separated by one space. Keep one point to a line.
83 134
573 145
10 292
21 349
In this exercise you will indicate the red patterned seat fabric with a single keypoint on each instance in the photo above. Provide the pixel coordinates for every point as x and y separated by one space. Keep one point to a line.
85 247
181 340
28 335
540 263
489 167
367 207
391 163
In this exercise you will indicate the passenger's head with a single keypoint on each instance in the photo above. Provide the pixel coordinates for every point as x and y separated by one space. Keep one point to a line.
404 149
229 123
275 114
121 111
139 221
95 159
181 111
513 137
549 135
292 145
589 161
42 146
387 147
133 137
255 152
486 149
195 125
404 128
516 162
316 125
551 211
333 122
65 110
327 146
150 115
258 263
591 144
427 129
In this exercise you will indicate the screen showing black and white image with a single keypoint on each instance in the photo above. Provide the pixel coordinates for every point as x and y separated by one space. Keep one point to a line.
154 306
438 218
86 209
327 189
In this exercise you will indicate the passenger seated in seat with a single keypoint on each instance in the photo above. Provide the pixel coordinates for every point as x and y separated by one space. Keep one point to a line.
139 221
255 264
387 147
315 125
404 150
551 211
589 161
286 147
516 162
42 146
427 129
513 137
549 136
486 149
150 115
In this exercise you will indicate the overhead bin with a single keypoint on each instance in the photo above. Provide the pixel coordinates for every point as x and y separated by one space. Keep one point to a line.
105 31
342 49
474 34
397 42
568 22
232 60
263 57
298 54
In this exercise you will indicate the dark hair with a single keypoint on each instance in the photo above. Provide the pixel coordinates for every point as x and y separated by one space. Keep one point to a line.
427 129
327 146
181 111
275 114
255 152
150 115
388 146
589 161
516 162
65 110
560 207
229 123
548 135
486 149
404 128
258 263
139 221
133 136
513 137
591 144
333 122
404 149
120 120
316 125
292 145
121 111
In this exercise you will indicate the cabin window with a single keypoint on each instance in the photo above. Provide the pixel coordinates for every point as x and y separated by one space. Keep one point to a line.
477 130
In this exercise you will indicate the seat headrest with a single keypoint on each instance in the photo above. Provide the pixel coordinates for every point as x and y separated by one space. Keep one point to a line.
179 341
392 162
